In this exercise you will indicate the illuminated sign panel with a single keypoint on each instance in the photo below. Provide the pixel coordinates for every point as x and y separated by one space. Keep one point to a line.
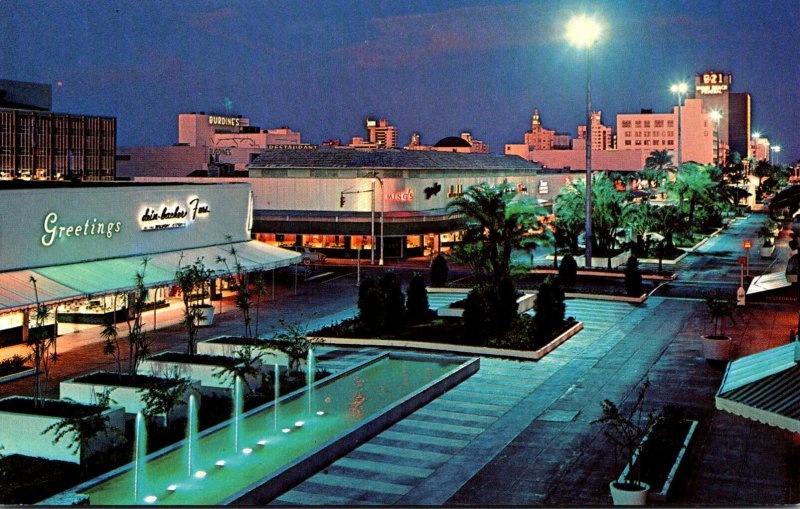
405 196
91 227
712 83
226 121
168 216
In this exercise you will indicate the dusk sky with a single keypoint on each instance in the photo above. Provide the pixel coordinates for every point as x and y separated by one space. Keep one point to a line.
433 67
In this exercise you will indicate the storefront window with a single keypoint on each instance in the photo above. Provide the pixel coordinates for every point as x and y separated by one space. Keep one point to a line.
413 241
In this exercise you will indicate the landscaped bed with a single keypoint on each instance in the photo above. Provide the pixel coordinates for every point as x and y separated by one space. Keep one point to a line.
13 368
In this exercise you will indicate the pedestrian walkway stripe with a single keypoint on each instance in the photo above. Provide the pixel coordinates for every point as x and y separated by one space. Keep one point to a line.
388 450
435 426
359 484
375 466
420 438
456 416
300 497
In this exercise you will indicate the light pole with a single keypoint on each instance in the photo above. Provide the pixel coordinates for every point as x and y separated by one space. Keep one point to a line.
680 89
383 197
583 32
716 116
777 150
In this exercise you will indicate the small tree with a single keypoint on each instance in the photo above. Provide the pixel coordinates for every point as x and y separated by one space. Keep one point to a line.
475 316
625 429
260 288
162 396
83 429
568 270
718 309
416 299
439 270
633 277
550 310
292 339
237 279
504 312
246 368
393 308
42 343
110 335
191 278
138 342
369 305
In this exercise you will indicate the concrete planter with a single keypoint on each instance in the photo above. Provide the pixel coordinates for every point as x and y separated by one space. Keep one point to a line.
14 376
205 316
628 493
766 251
22 433
130 398
207 375
616 261
217 346
524 303
717 348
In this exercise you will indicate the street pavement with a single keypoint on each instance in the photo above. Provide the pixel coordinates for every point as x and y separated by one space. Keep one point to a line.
520 433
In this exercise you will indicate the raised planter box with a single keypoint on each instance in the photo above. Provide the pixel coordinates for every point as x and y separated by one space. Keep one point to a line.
766 251
19 374
127 396
534 355
524 303
601 296
607 274
218 346
616 261
24 433
661 496
211 383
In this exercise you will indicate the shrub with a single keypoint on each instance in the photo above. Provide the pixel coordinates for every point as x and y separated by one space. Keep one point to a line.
568 270
550 310
393 308
416 299
475 316
504 307
439 271
633 277
12 365
369 305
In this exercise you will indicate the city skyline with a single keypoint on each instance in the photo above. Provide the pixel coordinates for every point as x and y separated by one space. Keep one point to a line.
435 68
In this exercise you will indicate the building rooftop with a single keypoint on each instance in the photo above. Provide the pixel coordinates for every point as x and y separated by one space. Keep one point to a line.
395 159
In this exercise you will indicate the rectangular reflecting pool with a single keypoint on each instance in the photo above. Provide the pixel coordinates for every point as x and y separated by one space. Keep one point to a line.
254 462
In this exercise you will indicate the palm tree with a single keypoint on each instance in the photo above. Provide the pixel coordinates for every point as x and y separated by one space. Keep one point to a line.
656 167
497 221
693 186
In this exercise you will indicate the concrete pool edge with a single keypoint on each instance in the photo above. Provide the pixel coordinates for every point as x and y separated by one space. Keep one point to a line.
285 478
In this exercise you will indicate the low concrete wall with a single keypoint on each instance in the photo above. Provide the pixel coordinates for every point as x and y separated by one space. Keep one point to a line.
24 434
299 470
269 355
211 383
130 398
524 303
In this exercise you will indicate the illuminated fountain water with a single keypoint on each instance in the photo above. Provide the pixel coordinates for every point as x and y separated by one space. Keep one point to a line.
277 394
238 402
139 453
216 476
191 434
310 373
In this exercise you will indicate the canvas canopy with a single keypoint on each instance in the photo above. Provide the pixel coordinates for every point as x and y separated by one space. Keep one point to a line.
102 277
764 387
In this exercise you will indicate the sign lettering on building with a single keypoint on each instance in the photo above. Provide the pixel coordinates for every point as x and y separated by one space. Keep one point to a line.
168 216
712 83
226 121
89 228
219 151
406 195
302 146
454 191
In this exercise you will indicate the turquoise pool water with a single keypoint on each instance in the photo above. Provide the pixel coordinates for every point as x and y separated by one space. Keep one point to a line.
344 403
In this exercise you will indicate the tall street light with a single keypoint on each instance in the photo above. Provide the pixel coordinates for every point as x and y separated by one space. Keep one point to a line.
716 116
583 32
680 89
777 150
375 177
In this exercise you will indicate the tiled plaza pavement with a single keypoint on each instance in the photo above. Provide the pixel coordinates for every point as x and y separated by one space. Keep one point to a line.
519 433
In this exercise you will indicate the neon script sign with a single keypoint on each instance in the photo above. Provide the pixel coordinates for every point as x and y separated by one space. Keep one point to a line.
406 195
173 215
89 228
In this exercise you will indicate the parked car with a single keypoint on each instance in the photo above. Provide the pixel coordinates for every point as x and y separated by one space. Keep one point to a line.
308 256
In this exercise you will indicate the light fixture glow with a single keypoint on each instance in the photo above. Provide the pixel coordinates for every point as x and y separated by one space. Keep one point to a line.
756 135
200 474
582 31
220 463
320 412
172 488
715 115
262 443
247 450
286 430
299 424
679 88
150 499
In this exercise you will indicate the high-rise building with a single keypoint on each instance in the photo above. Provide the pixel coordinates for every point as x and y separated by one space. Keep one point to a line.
601 134
539 138
713 88
381 133
36 143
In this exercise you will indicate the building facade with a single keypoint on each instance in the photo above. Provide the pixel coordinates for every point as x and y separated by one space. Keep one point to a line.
36 143
713 88
380 134
602 137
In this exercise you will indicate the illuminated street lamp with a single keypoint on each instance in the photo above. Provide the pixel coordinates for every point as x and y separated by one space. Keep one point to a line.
716 116
582 32
777 150
756 137
375 177
680 89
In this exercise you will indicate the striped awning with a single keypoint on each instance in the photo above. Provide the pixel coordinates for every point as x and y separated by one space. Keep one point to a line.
764 387
102 277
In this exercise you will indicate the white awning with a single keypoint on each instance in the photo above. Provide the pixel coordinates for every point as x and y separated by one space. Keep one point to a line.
76 280
764 387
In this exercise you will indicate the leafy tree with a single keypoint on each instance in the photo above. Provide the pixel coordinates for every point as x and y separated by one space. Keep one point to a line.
693 187
475 317
439 271
83 429
640 220
608 214
505 311
191 278
633 277
260 288
570 213
246 368
237 280
370 305
416 299
497 221
111 339
667 222
568 270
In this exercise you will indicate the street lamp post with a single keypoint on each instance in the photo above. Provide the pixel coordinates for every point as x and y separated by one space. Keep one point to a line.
375 177
680 89
716 116
583 32
777 150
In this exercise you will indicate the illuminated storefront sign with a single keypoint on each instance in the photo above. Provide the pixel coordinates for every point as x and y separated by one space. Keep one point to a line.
406 195
302 146
454 191
172 215
89 228
712 83
226 121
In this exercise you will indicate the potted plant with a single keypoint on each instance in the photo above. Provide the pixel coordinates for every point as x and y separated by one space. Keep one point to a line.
717 345
767 233
625 430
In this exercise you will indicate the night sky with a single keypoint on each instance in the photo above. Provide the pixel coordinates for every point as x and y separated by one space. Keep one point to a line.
433 67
